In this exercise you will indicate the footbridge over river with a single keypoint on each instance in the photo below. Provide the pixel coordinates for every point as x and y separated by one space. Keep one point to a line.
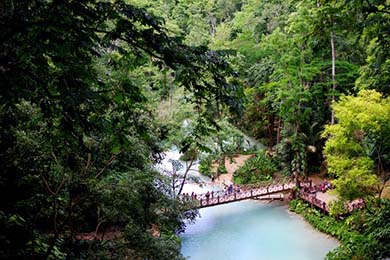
307 193
240 193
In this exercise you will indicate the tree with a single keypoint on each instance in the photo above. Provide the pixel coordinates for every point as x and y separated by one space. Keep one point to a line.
78 138
372 23
355 145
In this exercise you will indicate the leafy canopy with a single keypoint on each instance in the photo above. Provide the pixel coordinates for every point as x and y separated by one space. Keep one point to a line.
362 123
77 134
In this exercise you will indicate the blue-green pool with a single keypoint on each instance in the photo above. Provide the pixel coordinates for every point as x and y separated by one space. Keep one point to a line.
252 230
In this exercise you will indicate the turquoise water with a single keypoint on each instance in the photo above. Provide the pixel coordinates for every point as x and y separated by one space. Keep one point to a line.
252 230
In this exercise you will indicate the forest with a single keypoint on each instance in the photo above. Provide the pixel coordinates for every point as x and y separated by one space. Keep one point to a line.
93 92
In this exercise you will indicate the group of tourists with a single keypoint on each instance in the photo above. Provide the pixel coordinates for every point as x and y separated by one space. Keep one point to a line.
229 189
187 196
323 187
208 194
356 204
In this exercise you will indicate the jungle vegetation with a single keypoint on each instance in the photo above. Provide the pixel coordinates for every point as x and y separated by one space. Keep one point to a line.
93 91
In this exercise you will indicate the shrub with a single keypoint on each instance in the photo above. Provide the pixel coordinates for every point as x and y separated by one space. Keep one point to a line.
338 207
221 167
205 166
256 169
363 245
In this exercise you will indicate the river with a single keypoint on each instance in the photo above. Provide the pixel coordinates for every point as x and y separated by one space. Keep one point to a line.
248 230
253 230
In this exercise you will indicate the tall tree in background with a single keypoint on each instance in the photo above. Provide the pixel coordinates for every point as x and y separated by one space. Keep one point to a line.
373 28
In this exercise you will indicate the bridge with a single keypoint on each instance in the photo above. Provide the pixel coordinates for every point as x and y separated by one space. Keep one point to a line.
243 193
306 193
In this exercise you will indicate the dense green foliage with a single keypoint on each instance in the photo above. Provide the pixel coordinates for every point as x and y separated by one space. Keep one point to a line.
206 165
363 235
357 142
78 134
258 168
294 59
91 92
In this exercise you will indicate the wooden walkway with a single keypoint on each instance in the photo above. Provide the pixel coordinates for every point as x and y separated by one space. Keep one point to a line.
314 201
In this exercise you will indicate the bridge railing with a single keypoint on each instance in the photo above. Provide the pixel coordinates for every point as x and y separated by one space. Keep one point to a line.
265 183
313 200
244 192
263 189
214 198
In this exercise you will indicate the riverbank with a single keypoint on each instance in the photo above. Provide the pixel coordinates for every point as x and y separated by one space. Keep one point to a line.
359 234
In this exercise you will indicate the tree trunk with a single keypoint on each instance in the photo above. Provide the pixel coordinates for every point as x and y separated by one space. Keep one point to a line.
296 123
170 95
171 101
174 181
188 167
278 130
213 24
271 128
333 73
60 229
381 172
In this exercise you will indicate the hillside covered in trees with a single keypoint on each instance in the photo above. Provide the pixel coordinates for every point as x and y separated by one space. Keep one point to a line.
92 92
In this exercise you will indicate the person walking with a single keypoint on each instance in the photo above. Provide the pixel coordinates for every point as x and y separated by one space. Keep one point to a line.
207 195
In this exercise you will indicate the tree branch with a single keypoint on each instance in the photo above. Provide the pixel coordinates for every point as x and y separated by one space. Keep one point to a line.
113 157
185 175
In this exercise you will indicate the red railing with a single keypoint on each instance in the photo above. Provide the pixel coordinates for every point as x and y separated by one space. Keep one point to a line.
313 200
307 193
222 197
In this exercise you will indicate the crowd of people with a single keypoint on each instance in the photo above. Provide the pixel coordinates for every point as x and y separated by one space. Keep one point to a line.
229 189
323 187
356 204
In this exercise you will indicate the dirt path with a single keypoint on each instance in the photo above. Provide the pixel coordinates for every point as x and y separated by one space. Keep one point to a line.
386 191
238 161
